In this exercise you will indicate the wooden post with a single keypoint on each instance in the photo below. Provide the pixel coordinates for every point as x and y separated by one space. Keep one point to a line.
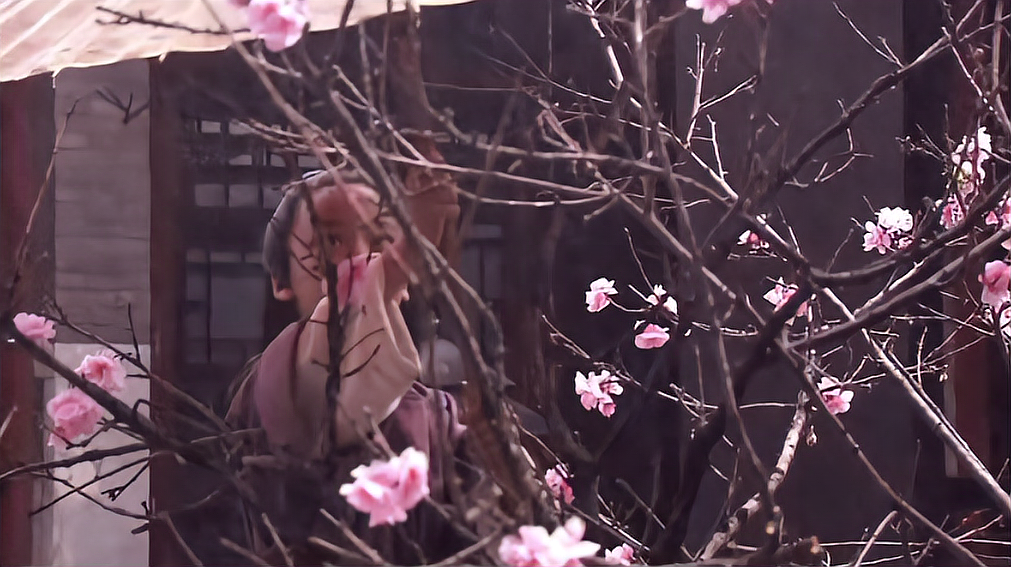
26 146
167 285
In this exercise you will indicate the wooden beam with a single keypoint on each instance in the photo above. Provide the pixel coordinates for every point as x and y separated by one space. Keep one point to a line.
168 179
26 145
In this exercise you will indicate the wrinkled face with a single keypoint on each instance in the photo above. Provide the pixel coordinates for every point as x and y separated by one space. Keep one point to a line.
344 236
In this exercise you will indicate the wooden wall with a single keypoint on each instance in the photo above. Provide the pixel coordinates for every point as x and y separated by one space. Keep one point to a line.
103 188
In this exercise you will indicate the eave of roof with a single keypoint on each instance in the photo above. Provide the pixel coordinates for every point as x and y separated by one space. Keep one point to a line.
43 36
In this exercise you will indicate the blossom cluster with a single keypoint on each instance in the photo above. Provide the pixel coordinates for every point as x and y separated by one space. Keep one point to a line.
595 391
74 414
969 160
601 294
279 23
533 546
890 232
387 490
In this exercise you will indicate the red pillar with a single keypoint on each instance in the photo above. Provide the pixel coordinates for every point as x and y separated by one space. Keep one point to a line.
167 281
26 144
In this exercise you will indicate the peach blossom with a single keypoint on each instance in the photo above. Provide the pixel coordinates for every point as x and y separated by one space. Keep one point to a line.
653 336
596 391
876 238
558 482
970 155
74 415
38 329
669 303
387 490
895 219
996 279
752 240
781 294
621 555
836 399
278 22
104 370
534 547
597 297
952 213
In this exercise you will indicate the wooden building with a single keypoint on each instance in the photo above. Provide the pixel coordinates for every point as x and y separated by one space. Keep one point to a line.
160 193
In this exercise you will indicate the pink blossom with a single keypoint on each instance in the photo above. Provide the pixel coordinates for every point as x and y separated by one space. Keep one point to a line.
836 399
895 220
74 415
952 213
670 304
621 555
38 329
712 10
278 22
533 547
386 490
970 156
104 370
595 391
558 482
1001 218
597 297
876 237
752 240
781 294
653 336
996 279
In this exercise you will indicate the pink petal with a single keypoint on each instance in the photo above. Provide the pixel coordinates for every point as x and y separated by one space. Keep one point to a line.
652 336
37 329
413 486
556 479
996 280
74 415
278 22
104 370
607 409
621 555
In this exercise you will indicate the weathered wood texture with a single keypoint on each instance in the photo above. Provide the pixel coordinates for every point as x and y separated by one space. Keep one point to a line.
103 188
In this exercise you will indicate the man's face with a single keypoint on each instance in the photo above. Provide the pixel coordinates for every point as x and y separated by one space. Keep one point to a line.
340 225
